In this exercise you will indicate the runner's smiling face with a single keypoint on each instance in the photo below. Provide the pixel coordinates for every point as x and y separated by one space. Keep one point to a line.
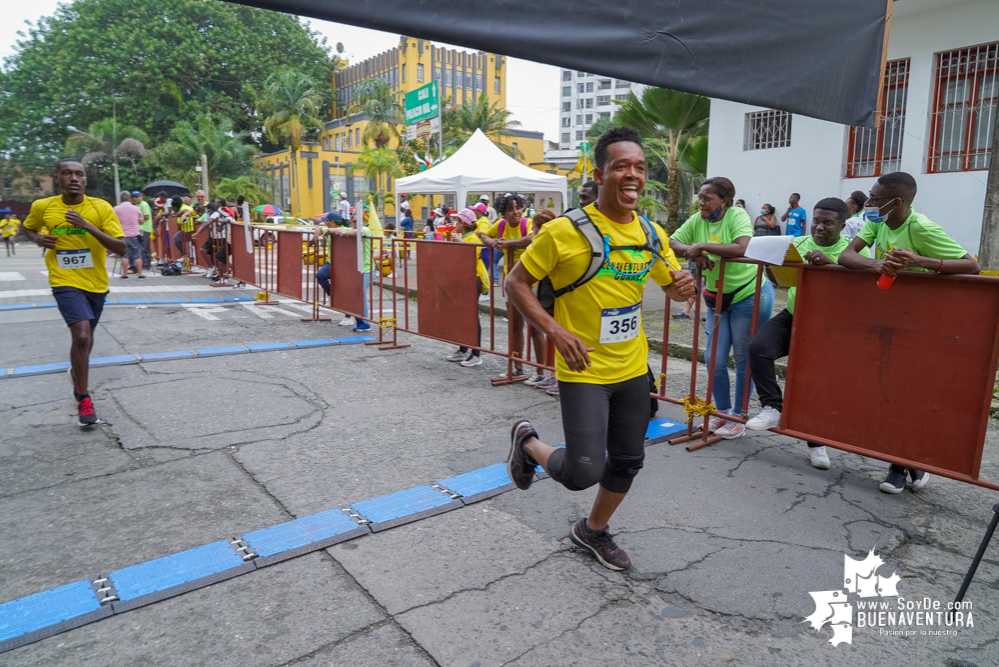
621 178
72 178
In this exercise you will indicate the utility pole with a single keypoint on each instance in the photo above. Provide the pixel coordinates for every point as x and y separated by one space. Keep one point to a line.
204 176
114 150
988 247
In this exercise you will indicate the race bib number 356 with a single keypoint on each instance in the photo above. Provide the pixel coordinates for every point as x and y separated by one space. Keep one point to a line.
620 324
75 259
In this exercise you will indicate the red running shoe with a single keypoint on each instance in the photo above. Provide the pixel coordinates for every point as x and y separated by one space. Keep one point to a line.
86 415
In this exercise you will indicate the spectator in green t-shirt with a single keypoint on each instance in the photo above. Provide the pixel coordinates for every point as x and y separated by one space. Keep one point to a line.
903 240
145 226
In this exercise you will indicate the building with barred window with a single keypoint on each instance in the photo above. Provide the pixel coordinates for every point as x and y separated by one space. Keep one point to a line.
938 119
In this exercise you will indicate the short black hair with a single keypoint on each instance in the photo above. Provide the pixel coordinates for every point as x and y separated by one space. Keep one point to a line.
722 187
590 185
613 136
901 184
64 160
795 194
858 198
836 205
504 203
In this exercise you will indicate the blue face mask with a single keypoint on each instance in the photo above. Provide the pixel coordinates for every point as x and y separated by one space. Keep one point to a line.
715 216
873 213
763 211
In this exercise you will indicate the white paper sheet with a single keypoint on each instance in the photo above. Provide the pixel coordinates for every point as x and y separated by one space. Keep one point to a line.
769 249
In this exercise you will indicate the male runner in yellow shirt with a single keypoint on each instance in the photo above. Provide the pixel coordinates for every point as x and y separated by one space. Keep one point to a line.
9 225
80 228
602 353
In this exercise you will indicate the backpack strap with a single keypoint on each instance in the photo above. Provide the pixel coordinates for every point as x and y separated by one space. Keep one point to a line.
584 225
523 227
502 227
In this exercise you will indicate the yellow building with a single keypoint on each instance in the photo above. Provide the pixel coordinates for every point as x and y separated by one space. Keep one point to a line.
324 166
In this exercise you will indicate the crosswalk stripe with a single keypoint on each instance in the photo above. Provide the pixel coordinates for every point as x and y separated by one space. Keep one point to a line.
11 275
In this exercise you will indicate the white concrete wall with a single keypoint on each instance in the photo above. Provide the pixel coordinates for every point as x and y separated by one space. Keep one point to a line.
815 162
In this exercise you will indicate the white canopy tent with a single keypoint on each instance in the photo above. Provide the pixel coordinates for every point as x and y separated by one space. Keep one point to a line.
479 166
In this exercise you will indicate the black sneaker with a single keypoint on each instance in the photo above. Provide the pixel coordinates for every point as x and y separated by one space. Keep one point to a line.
86 415
895 481
919 478
519 466
601 545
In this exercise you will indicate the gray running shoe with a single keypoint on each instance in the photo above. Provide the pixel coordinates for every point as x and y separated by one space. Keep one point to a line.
601 545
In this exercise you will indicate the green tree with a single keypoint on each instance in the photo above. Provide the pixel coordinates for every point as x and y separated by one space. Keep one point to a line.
668 121
105 143
253 190
290 102
229 156
493 120
378 164
187 58
376 100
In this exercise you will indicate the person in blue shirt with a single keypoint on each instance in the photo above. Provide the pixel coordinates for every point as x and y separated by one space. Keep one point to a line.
795 216
406 226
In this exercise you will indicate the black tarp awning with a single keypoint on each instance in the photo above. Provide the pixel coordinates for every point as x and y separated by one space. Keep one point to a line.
819 59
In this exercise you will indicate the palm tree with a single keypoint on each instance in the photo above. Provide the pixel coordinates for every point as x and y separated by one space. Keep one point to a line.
290 102
104 141
231 188
493 120
228 153
668 120
378 164
376 100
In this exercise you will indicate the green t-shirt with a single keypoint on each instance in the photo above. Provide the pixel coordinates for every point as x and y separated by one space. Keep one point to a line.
147 217
733 225
806 243
918 233
367 248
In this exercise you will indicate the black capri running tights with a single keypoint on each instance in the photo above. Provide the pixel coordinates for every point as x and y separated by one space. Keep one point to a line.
605 426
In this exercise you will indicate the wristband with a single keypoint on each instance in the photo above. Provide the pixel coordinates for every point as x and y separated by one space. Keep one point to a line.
940 269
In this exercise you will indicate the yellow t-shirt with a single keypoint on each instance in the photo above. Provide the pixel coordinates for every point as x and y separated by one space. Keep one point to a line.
188 224
10 226
50 213
607 307
511 232
480 267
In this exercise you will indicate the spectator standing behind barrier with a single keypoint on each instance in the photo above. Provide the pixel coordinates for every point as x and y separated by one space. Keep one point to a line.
511 234
464 222
719 230
766 222
903 240
333 221
602 350
587 194
741 203
823 246
130 217
145 227
215 251
361 324
490 211
794 216
856 221
343 206
548 381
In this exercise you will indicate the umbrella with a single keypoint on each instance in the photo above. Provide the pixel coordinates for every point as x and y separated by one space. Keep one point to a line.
268 209
172 188
5 211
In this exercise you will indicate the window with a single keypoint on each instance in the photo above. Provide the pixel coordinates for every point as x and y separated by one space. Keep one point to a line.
496 85
589 118
404 72
579 135
603 100
589 102
437 74
515 149
964 108
618 83
621 97
589 87
478 83
580 73
579 103
566 121
566 75
419 72
767 129
566 91
605 85
566 106
350 139
603 114
447 77
565 137
357 137
878 150
579 119
338 141
581 87
458 80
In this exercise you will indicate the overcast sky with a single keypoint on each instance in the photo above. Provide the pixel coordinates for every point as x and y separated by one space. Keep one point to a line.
532 88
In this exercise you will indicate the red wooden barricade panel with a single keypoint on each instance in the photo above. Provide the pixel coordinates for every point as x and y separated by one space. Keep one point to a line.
347 283
289 264
448 303
173 229
242 261
198 240
906 372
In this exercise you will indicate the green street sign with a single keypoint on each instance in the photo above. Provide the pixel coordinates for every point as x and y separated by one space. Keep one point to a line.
422 103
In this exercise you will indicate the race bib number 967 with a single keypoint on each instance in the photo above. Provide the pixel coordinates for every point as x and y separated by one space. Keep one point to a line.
620 324
74 259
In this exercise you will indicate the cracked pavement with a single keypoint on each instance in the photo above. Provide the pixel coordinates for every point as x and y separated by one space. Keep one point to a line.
726 541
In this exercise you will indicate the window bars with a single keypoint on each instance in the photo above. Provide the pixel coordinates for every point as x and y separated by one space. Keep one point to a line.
767 129
878 150
966 91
